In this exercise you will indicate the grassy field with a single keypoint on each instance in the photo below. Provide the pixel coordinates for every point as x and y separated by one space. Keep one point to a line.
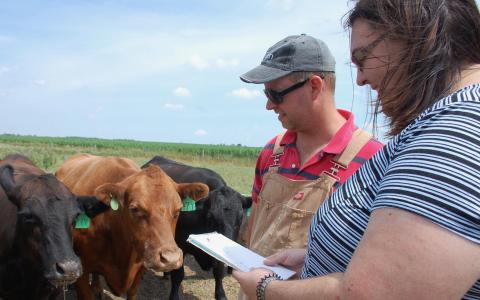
234 163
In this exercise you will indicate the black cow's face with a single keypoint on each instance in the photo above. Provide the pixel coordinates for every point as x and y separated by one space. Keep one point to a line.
44 227
224 211
47 211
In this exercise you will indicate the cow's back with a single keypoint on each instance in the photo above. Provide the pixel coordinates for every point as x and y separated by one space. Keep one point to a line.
180 172
83 173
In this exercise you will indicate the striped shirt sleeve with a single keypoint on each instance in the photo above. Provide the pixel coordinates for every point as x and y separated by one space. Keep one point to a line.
436 172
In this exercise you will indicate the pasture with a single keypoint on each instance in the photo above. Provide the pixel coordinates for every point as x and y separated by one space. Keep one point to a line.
235 163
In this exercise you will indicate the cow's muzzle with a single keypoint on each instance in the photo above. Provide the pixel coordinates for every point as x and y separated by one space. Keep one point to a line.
166 260
65 272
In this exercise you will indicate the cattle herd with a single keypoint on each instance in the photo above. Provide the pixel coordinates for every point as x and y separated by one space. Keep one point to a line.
106 216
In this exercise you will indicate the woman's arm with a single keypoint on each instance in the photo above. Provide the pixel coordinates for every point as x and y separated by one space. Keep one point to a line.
401 256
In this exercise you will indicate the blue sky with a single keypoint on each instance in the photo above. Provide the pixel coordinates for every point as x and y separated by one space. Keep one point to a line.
155 70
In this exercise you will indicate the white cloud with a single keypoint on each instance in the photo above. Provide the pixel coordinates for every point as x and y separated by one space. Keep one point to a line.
40 82
182 92
282 4
222 63
4 70
173 106
94 114
200 132
198 62
245 93
6 39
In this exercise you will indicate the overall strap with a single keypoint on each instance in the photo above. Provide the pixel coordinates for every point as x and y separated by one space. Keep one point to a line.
341 161
277 152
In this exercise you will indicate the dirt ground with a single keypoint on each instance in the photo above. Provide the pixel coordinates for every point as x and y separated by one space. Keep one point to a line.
198 284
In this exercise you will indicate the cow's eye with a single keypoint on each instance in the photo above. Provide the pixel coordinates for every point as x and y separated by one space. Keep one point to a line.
136 211
176 214
28 218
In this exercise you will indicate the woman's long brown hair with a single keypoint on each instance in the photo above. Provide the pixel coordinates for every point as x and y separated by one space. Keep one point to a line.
441 38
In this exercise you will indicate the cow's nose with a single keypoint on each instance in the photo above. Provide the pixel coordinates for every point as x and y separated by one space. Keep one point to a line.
171 258
69 269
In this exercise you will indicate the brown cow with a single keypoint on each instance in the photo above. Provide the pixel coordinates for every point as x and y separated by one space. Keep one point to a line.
121 243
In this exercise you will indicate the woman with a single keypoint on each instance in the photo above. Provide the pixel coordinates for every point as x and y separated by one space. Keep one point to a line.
407 224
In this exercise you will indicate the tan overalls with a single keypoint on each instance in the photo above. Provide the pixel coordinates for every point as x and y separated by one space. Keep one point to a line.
286 207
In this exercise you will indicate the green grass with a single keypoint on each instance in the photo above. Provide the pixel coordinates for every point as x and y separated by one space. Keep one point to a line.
234 163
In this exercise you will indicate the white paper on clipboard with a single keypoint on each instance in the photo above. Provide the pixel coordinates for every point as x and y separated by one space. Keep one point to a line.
233 254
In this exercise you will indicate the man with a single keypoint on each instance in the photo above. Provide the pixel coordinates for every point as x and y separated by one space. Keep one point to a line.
297 170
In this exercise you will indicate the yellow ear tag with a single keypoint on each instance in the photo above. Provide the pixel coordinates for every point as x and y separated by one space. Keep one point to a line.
188 204
82 222
113 203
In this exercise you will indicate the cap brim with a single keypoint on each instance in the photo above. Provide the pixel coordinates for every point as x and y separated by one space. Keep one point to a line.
263 74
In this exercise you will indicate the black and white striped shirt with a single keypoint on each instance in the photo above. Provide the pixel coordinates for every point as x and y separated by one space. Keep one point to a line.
432 168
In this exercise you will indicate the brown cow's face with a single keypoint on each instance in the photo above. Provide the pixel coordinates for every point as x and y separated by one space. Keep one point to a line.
150 203
153 205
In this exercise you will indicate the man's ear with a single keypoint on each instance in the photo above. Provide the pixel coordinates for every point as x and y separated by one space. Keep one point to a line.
7 182
318 86
195 190
111 191
91 206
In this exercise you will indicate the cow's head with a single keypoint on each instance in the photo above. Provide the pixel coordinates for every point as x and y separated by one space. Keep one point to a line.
225 209
47 211
149 205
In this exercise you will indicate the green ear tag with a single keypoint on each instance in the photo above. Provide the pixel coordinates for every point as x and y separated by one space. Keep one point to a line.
114 204
82 222
249 210
188 204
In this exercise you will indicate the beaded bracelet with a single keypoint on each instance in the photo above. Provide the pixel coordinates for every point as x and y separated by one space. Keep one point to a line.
262 284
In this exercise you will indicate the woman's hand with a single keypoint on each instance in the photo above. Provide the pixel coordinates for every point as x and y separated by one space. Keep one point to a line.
249 280
291 258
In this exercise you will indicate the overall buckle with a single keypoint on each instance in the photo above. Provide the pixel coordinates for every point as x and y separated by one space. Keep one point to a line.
336 167
276 160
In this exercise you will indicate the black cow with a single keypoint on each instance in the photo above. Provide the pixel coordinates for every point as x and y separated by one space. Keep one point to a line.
221 211
37 215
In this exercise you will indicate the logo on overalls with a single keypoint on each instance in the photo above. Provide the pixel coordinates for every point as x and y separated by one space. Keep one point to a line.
298 196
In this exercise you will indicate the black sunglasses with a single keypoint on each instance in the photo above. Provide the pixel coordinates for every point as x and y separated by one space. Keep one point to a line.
277 97
360 55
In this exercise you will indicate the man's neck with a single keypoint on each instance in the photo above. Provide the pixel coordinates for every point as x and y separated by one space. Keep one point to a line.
319 135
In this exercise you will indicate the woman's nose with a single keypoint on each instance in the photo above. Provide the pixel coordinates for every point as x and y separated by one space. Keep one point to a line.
361 80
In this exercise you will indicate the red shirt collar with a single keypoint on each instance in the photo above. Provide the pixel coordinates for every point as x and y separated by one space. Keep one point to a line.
339 141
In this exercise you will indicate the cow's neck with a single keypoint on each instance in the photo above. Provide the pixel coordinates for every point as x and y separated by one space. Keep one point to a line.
125 266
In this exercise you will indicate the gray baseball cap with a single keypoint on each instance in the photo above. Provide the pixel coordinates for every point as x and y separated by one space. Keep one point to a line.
292 54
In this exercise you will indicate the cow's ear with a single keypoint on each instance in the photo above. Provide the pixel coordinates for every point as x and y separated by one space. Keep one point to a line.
111 194
196 190
246 201
7 182
91 206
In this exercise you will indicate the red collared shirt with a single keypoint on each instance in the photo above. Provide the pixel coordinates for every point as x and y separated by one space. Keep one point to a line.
290 165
